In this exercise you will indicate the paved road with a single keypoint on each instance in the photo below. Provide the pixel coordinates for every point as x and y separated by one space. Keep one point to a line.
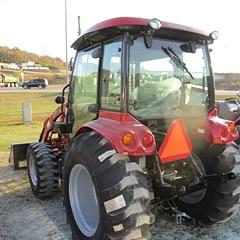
50 89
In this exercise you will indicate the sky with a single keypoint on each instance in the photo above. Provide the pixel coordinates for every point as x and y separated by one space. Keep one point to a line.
39 25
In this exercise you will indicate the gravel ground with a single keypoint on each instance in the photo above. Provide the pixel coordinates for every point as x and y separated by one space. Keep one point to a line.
23 217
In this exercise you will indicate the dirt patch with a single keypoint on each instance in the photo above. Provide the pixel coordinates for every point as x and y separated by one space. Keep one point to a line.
23 217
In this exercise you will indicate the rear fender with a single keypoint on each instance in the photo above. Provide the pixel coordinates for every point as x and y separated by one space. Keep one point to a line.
218 130
113 126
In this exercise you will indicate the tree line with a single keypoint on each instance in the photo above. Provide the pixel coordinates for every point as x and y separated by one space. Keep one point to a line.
18 56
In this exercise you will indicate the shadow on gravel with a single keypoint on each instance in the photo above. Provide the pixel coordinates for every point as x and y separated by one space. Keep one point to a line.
54 209
24 217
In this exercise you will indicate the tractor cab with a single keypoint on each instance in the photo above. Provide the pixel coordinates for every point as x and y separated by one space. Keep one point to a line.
151 71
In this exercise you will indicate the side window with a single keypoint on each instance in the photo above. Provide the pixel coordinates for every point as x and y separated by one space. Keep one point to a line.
84 88
111 76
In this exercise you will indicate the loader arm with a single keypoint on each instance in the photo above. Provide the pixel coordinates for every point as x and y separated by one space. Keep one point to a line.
48 135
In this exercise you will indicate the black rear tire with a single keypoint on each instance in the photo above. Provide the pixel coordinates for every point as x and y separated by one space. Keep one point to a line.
42 170
221 200
121 190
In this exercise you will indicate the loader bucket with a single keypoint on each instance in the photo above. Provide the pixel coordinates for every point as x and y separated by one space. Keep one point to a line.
18 155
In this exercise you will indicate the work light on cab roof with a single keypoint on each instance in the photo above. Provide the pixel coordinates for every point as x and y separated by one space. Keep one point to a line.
214 35
155 24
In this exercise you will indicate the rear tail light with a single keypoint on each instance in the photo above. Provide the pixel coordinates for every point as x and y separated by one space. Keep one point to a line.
147 140
229 131
231 127
128 138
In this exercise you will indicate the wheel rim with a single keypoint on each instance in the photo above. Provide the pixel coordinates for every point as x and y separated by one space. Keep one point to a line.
83 200
33 170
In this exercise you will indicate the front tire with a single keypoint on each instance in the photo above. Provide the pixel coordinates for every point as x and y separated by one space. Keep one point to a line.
221 200
42 168
106 196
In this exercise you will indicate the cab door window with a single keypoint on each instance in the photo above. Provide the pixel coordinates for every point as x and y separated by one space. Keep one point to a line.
111 76
84 88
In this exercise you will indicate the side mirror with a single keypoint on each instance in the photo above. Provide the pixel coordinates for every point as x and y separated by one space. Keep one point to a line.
148 38
59 100
97 53
70 65
189 47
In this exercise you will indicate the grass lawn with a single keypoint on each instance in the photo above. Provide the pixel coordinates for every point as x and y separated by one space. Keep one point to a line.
223 94
11 127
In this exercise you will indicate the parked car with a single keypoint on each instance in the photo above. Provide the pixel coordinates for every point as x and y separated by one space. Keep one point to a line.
38 82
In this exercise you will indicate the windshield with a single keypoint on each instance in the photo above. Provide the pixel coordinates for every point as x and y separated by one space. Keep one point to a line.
166 77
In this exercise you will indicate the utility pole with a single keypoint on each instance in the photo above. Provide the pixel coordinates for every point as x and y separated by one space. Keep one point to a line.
79 26
66 41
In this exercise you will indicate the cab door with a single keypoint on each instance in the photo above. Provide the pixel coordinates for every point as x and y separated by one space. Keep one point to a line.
83 88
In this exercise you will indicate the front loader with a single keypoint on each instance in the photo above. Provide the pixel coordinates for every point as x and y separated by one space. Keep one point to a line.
139 126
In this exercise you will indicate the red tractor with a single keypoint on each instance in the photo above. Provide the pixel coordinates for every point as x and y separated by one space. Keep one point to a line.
140 126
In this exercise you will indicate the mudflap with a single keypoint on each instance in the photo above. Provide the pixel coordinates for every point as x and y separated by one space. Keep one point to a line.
18 155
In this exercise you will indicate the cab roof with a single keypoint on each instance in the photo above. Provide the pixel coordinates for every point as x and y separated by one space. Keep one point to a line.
113 27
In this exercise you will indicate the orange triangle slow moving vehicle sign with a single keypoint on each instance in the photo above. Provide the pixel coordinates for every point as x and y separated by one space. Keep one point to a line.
176 144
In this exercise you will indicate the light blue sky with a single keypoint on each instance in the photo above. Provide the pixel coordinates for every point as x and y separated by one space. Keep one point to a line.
38 25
